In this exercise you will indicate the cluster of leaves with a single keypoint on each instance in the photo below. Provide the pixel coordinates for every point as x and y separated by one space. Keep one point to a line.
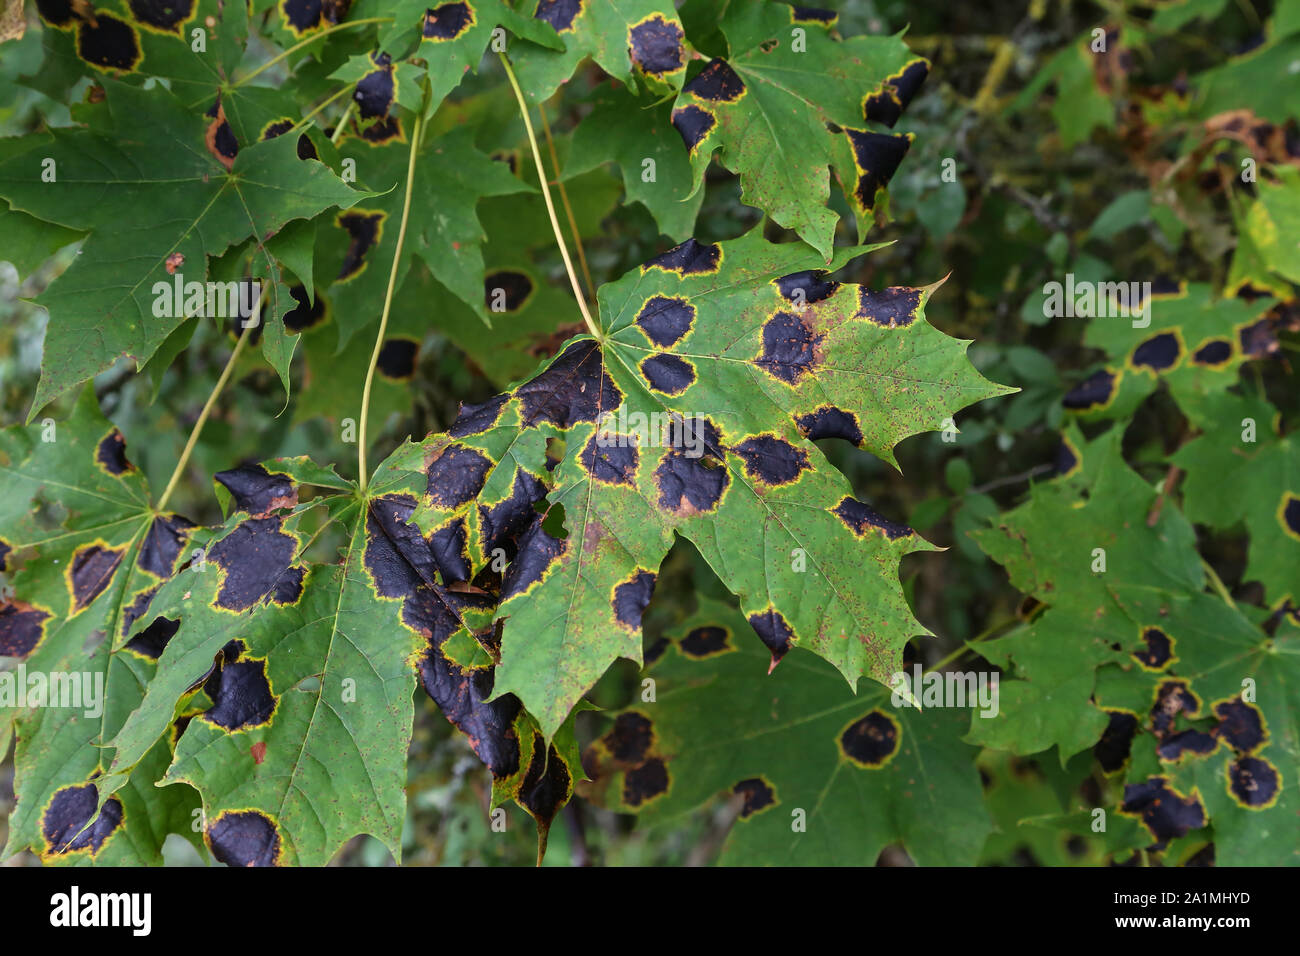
665 499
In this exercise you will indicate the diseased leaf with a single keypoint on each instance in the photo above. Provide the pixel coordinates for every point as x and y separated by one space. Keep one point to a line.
823 777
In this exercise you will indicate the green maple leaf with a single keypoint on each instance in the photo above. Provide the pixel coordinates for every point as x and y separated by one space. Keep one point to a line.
102 307
308 672
1186 694
77 588
823 777
756 353
451 176
1242 448
634 41
770 106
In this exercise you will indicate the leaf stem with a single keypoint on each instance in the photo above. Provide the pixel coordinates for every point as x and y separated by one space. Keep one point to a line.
988 632
312 115
302 43
564 201
343 122
362 477
203 418
550 206
1217 583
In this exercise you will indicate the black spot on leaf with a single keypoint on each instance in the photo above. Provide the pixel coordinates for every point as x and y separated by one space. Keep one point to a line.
241 695
109 43
110 453
258 491
69 811
690 484
612 464
277 128
861 517
1095 391
775 633
559 13
448 21
456 476
756 794
716 83
397 556
887 104
791 349
1241 725
288 587
665 319
1158 353
364 229
830 422
476 419
152 641
1213 352
574 388
655 46
165 16
1158 649
668 374
1289 512
803 288
381 131
705 642
220 138
1066 460
21 628
547 786
642 784
877 157
1188 741
91 568
57 13
1116 743
538 552
1166 813
306 314
630 739
397 358
1253 782
374 92
772 460
506 290
1258 340
244 838
632 597
1173 697
162 544
502 524
813 15
688 258
693 124
891 308
871 741
254 556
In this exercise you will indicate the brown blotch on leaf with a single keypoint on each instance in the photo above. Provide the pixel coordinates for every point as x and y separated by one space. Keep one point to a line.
220 138
1241 725
630 739
775 633
501 525
153 640
244 838
877 157
546 788
456 475
69 811
691 484
1116 743
162 544
174 262
538 551
892 308
574 388
871 741
611 463
693 124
